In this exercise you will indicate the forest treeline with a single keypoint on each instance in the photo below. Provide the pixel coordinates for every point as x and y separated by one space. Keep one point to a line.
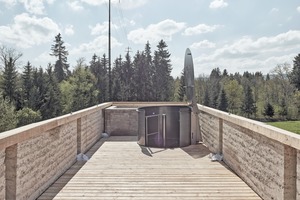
32 94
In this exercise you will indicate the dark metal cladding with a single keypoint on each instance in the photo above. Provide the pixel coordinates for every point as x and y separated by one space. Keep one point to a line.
164 126
189 75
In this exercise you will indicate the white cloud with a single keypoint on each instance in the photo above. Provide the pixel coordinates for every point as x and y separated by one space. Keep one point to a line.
45 56
298 9
75 5
27 31
204 44
124 4
199 29
100 29
9 3
274 10
69 30
215 4
248 46
261 54
99 44
155 32
36 6
130 4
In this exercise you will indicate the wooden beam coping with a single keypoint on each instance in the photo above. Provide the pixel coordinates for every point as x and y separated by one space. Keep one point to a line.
277 134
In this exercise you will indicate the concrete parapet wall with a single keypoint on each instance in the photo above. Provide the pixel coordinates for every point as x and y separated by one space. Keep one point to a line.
34 156
265 157
120 121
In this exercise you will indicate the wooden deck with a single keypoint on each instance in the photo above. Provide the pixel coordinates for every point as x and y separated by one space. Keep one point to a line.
120 169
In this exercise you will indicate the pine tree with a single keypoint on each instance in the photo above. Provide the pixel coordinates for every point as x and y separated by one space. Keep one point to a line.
9 83
27 86
149 73
116 80
50 105
222 102
248 106
162 80
295 75
182 91
9 58
99 70
59 51
268 110
139 76
206 100
126 77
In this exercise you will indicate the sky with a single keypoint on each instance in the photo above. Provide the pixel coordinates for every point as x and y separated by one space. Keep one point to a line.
236 35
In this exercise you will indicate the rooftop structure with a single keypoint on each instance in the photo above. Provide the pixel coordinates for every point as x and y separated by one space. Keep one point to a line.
40 160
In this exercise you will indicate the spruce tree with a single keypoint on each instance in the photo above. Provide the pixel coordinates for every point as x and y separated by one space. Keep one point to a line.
222 102
295 75
162 80
61 68
116 80
27 86
9 58
50 102
248 106
268 110
182 88
9 82
149 73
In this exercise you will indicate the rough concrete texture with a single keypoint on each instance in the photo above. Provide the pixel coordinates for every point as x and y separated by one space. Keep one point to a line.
210 131
2 174
258 160
43 159
298 175
121 121
91 129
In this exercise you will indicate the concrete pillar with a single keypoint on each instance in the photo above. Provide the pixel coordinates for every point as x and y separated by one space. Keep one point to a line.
194 127
11 172
79 136
290 173
220 148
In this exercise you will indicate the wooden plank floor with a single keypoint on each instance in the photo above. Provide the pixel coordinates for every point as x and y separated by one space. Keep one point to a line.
120 169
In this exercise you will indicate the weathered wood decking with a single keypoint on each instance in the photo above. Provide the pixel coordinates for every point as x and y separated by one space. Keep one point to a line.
120 169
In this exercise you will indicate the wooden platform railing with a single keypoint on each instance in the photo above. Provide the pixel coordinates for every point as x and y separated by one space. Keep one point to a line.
265 157
32 157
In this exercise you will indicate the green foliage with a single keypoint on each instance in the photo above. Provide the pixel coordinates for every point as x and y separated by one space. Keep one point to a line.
84 93
268 110
293 126
162 80
50 99
248 106
222 102
67 94
9 83
28 116
8 118
234 92
182 89
59 51
295 75
27 86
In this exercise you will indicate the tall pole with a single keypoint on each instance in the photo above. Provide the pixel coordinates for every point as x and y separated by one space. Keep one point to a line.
109 54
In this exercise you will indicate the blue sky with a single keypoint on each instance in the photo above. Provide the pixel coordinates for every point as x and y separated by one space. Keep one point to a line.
237 35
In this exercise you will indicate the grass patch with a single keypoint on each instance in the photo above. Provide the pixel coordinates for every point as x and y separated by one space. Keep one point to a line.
293 126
